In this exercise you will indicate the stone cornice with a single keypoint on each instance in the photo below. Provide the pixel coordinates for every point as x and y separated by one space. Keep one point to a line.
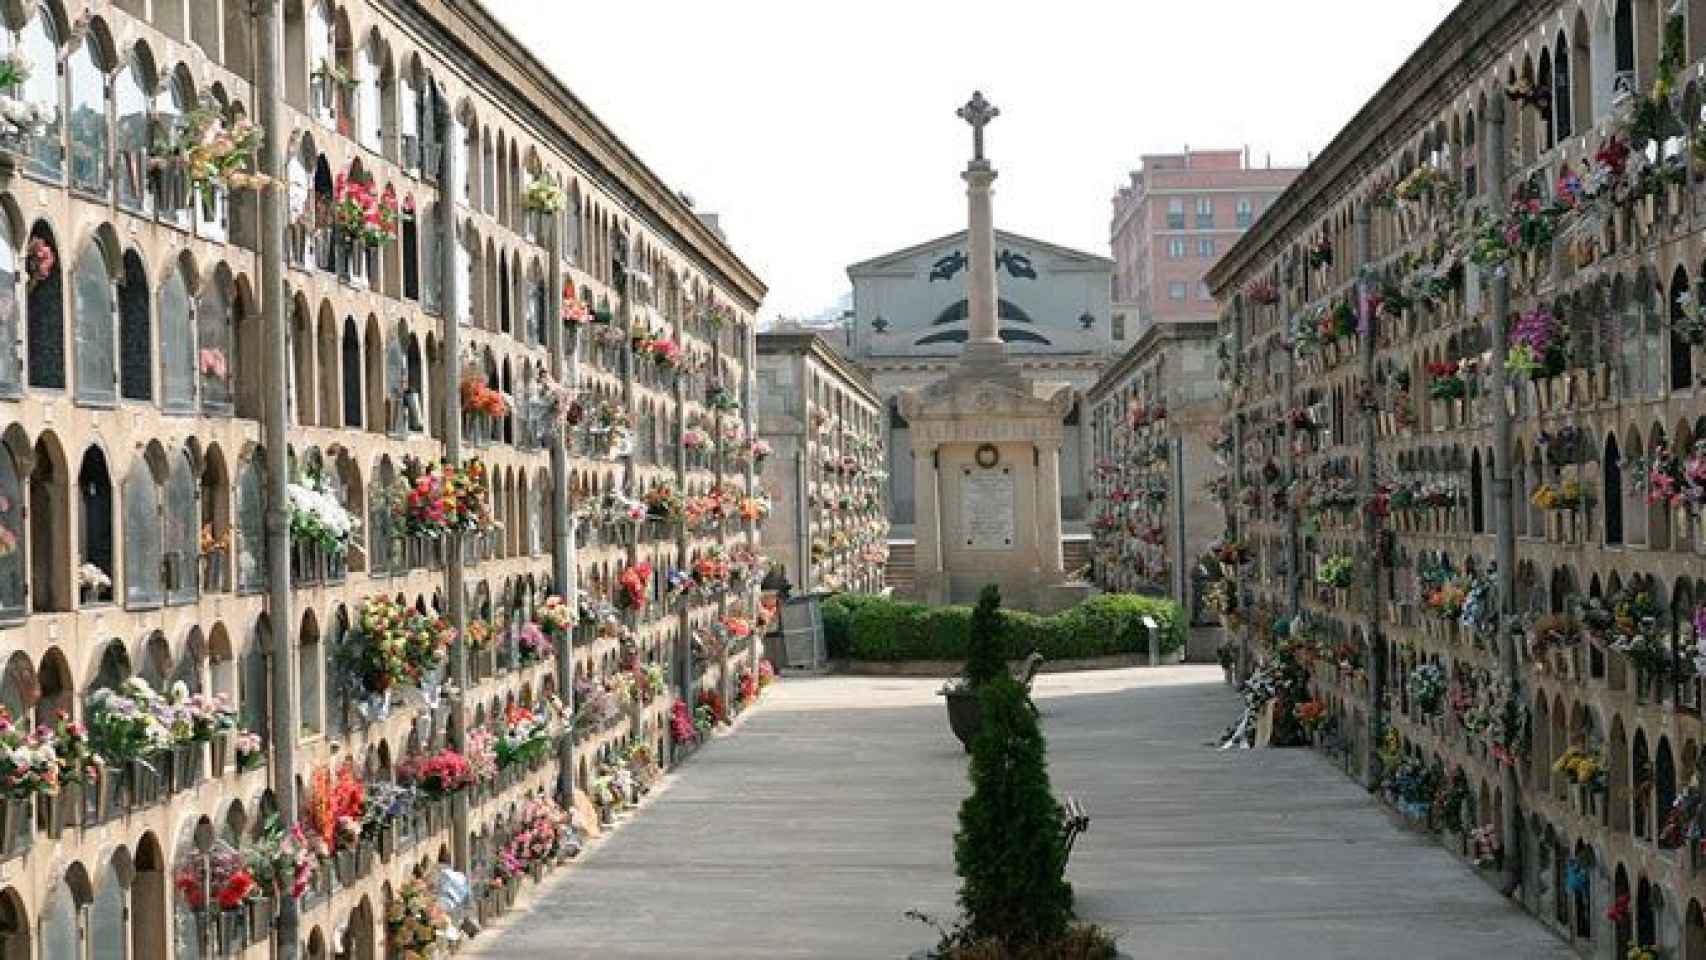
814 345
1152 339
1475 35
566 124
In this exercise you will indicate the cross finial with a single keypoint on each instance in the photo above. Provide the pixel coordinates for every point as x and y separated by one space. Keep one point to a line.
978 112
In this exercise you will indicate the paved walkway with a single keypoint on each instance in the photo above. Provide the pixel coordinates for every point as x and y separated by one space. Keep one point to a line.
831 812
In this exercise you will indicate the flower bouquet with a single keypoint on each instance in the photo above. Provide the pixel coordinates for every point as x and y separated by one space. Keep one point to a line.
437 776
436 502
318 517
417 926
363 214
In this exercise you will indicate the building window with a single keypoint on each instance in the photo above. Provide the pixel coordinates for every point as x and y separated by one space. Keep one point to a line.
1176 248
1119 326
1246 213
1176 290
1205 211
1205 248
1175 214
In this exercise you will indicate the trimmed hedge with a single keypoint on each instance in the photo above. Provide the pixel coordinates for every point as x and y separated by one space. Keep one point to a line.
861 627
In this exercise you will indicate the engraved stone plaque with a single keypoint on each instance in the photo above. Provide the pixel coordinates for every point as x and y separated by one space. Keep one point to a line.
986 508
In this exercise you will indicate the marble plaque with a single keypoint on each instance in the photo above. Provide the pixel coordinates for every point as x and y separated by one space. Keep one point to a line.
986 509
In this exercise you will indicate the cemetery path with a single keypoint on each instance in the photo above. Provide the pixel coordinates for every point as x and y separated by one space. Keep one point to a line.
830 812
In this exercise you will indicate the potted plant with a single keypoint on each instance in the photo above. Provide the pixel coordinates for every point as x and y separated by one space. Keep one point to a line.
983 664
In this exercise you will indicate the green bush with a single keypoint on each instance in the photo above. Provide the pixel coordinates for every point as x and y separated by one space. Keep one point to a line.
983 658
1007 851
876 628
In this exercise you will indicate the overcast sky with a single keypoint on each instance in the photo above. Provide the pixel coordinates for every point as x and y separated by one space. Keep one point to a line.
824 132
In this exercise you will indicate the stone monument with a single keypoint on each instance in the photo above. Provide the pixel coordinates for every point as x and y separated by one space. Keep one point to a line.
986 444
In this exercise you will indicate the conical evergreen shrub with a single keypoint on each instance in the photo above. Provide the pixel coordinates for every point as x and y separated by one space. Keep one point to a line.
984 654
1007 851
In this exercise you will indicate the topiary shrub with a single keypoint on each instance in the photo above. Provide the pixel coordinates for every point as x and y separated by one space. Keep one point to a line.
986 656
1007 851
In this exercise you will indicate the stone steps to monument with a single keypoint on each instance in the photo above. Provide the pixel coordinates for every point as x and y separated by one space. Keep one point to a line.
1075 552
898 574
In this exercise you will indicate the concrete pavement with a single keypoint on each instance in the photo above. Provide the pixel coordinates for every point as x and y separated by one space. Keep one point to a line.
831 812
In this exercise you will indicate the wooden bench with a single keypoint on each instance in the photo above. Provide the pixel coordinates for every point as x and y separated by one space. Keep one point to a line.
1076 822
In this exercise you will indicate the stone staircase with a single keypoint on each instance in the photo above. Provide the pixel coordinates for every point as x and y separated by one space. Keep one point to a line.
1075 552
900 574
903 562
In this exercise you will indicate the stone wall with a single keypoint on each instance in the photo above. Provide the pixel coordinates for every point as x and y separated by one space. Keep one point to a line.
1364 340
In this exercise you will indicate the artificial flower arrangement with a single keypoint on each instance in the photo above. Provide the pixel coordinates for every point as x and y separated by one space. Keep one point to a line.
526 736
542 836
1321 253
417 926
212 363
223 878
282 861
1262 293
681 727
1537 348
1582 767
438 775
363 214
595 708
556 617
29 760
755 507
574 312
1446 381
1311 715
609 429
317 516
398 644
249 749
1566 495
634 585
39 260
1423 182
664 353
480 749
1336 571
663 504
533 644
1672 480
543 195
21 118
214 152
721 399
1426 686
709 711
478 397
125 724
438 501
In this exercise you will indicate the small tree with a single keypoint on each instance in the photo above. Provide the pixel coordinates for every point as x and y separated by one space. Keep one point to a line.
984 660
1007 851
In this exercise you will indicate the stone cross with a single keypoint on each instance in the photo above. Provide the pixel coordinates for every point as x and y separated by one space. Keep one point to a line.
978 112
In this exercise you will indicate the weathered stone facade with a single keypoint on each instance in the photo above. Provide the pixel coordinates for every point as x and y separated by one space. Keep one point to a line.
139 414
1375 423
827 471
1154 417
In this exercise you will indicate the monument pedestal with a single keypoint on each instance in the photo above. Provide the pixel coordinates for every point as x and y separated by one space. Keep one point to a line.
986 455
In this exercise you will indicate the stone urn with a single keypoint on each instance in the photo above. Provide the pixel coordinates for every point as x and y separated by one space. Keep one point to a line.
965 714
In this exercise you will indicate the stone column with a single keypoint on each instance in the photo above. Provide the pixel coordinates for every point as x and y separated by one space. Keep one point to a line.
980 278
1048 506
926 522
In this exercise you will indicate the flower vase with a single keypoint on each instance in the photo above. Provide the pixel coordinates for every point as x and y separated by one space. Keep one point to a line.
1457 412
344 865
1648 211
13 815
144 782
387 842
1439 410
233 930
218 752
260 919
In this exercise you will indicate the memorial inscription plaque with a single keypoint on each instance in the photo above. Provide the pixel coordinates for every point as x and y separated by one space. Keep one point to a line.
986 508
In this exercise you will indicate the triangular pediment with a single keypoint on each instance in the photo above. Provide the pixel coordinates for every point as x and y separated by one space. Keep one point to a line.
924 256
